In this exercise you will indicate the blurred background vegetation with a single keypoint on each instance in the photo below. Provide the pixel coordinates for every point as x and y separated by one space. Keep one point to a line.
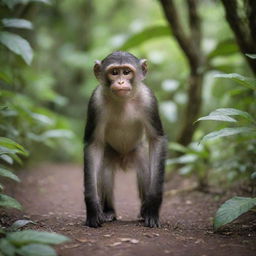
48 49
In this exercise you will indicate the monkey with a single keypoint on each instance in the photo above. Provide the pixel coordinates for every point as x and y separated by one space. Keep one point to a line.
123 131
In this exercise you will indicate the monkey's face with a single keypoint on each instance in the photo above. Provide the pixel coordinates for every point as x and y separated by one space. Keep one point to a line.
120 72
120 79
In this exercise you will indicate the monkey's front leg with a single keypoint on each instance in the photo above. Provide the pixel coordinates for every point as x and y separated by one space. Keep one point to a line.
93 155
153 196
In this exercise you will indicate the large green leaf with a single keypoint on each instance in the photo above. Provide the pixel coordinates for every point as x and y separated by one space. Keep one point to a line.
19 224
9 202
10 143
6 247
252 56
8 174
145 35
245 81
223 114
17 23
36 250
12 152
232 209
31 236
12 3
12 146
224 48
18 45
217 117
233 112
228 132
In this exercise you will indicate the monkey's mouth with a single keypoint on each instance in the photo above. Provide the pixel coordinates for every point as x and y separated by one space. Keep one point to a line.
122 92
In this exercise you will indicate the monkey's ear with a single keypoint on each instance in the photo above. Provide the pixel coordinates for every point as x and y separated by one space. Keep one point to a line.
144 66
97 69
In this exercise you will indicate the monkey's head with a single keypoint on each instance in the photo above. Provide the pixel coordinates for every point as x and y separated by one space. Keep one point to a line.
120 72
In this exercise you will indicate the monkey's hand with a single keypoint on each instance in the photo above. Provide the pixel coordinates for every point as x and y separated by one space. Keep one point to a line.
95 217
150 213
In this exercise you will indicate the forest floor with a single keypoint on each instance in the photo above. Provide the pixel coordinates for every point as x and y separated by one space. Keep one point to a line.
52 196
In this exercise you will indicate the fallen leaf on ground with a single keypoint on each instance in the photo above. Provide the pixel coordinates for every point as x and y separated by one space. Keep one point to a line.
71 246
151 235
82 240
131 240
198 241
107 235
115 244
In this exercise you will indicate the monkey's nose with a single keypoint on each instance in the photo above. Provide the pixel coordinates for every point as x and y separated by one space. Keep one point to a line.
121 82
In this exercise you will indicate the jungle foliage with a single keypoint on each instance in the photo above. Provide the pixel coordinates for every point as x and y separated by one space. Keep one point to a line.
202 64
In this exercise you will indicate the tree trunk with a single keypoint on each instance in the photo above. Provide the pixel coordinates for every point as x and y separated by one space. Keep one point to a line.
193 107
244 28
191 46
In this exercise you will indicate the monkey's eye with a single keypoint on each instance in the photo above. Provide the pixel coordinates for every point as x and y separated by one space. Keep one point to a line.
126 72
114 72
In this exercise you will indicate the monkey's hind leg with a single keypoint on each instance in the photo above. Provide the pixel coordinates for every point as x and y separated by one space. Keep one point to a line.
94 214
143 178
150 181
106 188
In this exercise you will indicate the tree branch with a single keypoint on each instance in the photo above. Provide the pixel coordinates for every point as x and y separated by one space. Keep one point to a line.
184 41
194 21
251 18
234 20
244 39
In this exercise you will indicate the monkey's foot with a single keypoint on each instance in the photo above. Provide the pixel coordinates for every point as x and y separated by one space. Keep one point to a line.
150 215
109 216
151 222
95 221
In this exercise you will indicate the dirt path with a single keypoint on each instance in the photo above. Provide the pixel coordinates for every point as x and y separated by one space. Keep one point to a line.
52 196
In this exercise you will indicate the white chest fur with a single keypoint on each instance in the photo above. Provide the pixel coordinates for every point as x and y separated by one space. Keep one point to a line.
123 127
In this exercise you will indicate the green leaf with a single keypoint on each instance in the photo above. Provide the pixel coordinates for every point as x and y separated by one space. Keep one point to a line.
177 147
9 202
185 159
17 23
253 175
224 48
19 224
223 114
245 81
42 118
233 112
6 247
12 147
227 132
18 45
232 209
185 170
217 118
31 236
145 35
252 56
8 174
6 159
36 250
4 77
10 143
57 133
12 152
